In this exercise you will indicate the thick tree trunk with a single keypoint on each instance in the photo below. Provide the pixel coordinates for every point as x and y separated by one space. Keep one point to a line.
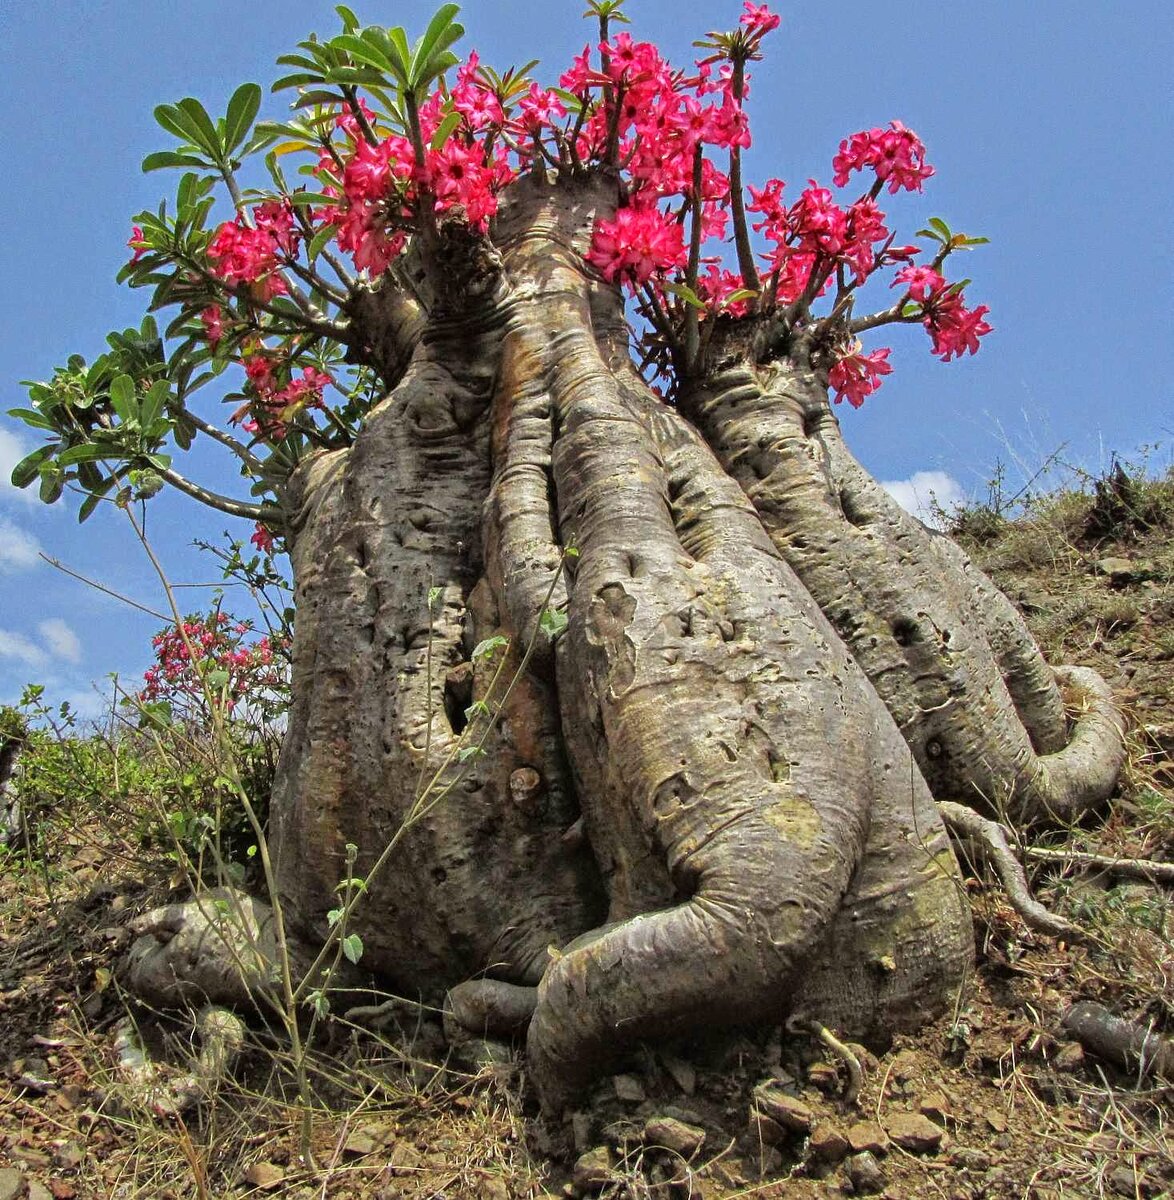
766 842
947 652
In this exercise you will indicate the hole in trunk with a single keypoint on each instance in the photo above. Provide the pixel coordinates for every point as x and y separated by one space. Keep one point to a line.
904 632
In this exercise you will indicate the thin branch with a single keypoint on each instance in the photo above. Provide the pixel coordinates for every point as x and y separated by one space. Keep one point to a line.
53 562
225 439
889 316
1146 869
226 504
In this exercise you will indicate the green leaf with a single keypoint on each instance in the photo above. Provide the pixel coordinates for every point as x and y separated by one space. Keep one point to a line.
349 21
434 595
686 293
477 709
242 112
30 416
52 483
28 468
942 228
352 947
489 646
154 402
122 397
442 31
217 678
206 136
320 241
86 452
169 158
445 129
362 50
553 622
469 752
333 917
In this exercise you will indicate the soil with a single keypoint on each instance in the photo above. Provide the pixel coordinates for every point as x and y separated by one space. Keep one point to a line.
996 1100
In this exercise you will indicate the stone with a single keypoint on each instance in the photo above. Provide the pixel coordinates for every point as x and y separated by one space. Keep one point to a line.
967 1158
592 1170
683 1073
915 1132
359 1144
824 1076
493 1188
1119 570
581 1131
764 1130
1069 1058
827 1143
867 1137
936 1106
628 1088
265 1176
787 1111
866 1174
38 1191
1125 1181
11 1183
674 1135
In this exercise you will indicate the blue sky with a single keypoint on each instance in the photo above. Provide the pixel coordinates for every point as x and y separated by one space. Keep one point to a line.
1049 124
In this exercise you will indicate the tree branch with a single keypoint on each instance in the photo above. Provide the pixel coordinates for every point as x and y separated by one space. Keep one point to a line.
226 504
225 439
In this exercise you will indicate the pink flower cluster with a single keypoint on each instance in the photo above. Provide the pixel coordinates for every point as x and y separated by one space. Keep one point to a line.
214 641
954 328
858 375
641 242
272 407
241 253
895 154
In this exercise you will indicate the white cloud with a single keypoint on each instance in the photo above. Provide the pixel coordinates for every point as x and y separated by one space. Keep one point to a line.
61 640
18 550
927 495
17 646
12 450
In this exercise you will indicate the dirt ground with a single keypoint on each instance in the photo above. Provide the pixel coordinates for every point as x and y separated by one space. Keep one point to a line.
997 1100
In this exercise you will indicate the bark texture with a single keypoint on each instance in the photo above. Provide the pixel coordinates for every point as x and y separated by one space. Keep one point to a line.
696 808
950 656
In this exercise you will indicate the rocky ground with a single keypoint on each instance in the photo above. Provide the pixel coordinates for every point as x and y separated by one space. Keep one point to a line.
998 1100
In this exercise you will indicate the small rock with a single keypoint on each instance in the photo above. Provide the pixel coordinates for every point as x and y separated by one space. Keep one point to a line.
592 1170
936 1106
683 1073
1124 1181
38 1191
674 1135
1004 1141
1069 1058
970 1159
867 1137
266 1176
359 1144
914 1132
786 1110
828 1144
904 1065
1119 570
493 1188
824 1076
68 1156
996 1120
11 1183
581 1131
866 1174
628 1088
765 1131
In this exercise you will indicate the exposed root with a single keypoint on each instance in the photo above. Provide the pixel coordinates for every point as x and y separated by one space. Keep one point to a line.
1124 1043
797 1024
1148 870
222 1037
989 839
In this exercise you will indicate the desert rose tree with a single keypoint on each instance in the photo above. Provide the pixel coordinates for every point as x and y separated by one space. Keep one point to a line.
538 395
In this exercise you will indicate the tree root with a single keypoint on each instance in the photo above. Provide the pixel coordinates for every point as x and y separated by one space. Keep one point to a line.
222 1037
989 839
1124 1043
1148 870
798 1024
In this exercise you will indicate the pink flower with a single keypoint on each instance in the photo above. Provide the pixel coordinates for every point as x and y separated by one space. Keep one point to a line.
540 107
137 243
262 538
921 282
956 329
858 375
896 154
758 19
640 242
212 320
